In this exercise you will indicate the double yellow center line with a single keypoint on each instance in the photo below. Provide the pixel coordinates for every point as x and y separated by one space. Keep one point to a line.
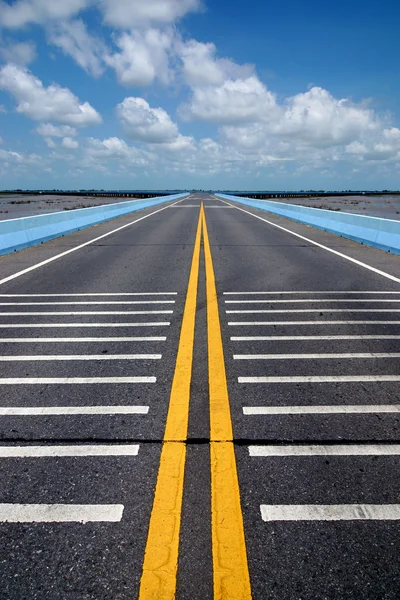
230 569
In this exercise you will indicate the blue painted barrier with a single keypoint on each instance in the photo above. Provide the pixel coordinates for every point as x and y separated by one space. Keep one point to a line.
372 231
16 234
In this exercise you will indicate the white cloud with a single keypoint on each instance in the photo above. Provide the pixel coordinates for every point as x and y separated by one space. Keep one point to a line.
131 13
201 67
316 117
235 101
144 123
20 53
50 130
70 143
39 103
114 149
19 157
3 109
74 40
144 57
22 12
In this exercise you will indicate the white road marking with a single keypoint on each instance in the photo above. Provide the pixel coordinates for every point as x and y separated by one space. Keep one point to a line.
331 450
302 237
57 256
85 303
75 340
73 380
79 325
306 338
301 292
55 357
315 356
301 310
322 409
303 300
72 450
85 313
330 512
88 295
272 323
60 513
35 411
320 379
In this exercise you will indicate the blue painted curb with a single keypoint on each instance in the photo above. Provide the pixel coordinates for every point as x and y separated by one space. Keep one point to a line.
16 234
371 231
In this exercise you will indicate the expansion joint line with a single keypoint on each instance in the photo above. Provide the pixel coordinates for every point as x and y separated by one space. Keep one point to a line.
230 568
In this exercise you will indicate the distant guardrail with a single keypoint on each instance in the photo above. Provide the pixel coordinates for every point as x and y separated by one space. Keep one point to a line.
16 234
372 231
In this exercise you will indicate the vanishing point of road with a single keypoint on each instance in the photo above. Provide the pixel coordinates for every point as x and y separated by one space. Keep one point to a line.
200 401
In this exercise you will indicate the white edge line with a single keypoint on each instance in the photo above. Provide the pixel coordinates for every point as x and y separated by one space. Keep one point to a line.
272 338
330 512
322 409
26 411
72 450
314 356
49 260
88 295
61 357
75 340
60 513
86 313
302 237
324 450
320 379
301 292
73 380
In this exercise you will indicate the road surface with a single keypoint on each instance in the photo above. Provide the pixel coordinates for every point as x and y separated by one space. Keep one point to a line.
201 403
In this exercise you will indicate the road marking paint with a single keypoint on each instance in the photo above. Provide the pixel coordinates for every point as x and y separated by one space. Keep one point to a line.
319 379
88 295
85 313
313 300
230 568
321 450
162 548
73 380
101 237
308 310
60 513
321 410
273 323
33 411
79 325
302 338
315 356
83 339
86 303
330 512
72 450
302 237
301 292
54 357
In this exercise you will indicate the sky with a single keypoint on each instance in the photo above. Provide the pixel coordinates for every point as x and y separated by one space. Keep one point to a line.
213 94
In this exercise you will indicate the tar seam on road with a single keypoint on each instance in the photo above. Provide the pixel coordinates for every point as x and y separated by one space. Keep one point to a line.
230 568
158 581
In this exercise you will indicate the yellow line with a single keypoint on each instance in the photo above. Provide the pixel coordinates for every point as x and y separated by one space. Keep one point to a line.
230 568
160 564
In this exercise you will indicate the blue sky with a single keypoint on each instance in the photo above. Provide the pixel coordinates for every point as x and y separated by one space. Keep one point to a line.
150 94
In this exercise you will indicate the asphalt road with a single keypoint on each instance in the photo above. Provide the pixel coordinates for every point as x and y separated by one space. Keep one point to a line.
203 404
